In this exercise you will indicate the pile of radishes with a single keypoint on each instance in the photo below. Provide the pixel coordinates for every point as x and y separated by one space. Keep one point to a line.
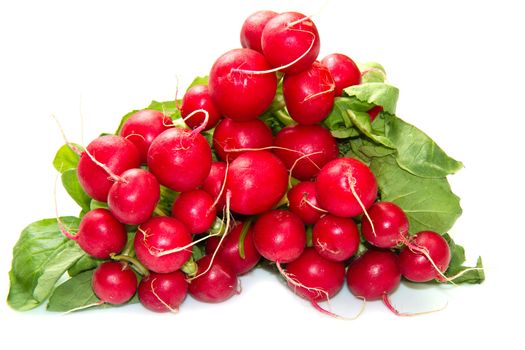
187 204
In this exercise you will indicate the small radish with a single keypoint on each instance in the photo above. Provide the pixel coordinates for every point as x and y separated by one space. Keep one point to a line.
218 284
257 180
344 71
252 28
346 187
335 238
143 127
390 225
279 236
195 210
290 42
309 95
426 257
161 292
302 201
115 154
305 149
374 112
230 135
215 182
198 98
180 159
239 93
114 282
230 252
160 234
133 200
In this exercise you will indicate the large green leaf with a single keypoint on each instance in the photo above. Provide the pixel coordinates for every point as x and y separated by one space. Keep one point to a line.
73 188
376 93
66 159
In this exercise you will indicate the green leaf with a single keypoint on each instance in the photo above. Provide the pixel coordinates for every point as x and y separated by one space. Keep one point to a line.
85 263
66 159
73 188
456 265
167 197
40 258
429 204
94 204
376 93
361 120
199 81
169 108
75 293
372 72
416 152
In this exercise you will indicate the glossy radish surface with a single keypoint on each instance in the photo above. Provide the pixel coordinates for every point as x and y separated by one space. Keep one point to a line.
302 201
114 282
195 210
335 238
218 284
214 182
389 223
198 97
252 28
344 71
163 292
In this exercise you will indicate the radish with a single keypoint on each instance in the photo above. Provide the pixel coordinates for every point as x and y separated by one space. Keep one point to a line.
114 282
257 180
302 201
218 284
180 159
335 238
344 71
195 210
160 234
198 98
230 135
305 149
239 93
290 42
143 127
161 292
214 183
133 200
238 249
374 112
426 257
111 153
252 28
390 225
310 94
346 187
279 236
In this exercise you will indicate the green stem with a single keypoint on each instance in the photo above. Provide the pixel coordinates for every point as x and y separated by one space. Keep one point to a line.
134 263
190 267
159 212
284 117
245 228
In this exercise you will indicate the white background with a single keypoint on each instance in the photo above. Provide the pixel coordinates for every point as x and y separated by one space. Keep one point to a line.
459 67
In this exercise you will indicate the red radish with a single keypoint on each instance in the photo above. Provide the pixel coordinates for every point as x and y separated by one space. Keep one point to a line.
160 234
229 252
346 187
161 292
218 284
133 200
236 91
114 282
279 236
344 71
374 112
116 154
198 97
180 159
252 28
99 234
305 148
335 238
290 42
195 210
309 95
257 180
230 135
142 127
426 257
390 225
213 184
302 201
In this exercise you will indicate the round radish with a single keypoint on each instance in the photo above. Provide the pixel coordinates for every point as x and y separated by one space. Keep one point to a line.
297 141
114 152
214 182
252 28
195 210
257 180
198 97
290 42
180 159
114 282
279 236
143 127
390 225
230 135
344 71
345 186
335 238
218 284
161 234
302 201
133 200
235 88
161 292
